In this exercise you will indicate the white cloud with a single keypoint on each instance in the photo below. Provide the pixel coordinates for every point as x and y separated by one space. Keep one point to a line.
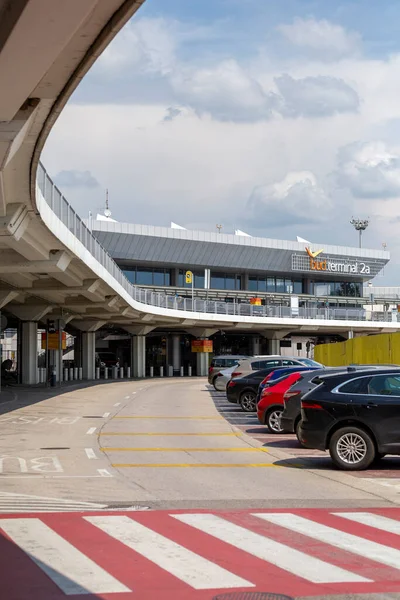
298 198
369 170
321 38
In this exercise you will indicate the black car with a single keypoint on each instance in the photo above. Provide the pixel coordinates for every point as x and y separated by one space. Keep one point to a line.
291 416
356 415
243 390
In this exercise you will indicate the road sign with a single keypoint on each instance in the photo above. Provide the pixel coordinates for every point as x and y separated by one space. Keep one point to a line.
189 277
53 341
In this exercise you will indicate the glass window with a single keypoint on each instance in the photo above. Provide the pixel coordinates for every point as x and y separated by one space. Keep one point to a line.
262 284
288 362
217 281
252 285
167 277
356 386
280 285
131 275
144 276
271 287
297 287
158 277
288 286
238 282
270 363
180 278
384 385
230 282
199 280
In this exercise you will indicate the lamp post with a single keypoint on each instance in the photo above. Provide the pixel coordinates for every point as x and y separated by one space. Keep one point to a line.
359 225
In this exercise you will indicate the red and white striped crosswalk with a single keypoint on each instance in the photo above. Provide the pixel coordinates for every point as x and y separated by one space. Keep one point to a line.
185 555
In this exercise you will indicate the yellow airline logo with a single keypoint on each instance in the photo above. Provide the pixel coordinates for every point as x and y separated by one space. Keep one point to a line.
312 254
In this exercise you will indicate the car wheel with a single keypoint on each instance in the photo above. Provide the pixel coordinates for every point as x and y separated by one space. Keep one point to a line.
248 401
273 420
297 432
352 449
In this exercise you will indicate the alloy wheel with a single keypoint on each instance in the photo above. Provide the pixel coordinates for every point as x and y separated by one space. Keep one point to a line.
248 402
274 421
351 448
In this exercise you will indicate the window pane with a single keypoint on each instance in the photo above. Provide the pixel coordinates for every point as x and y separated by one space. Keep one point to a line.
252 285
280 285
384 385
298 287
180 278
158 277
238 285
230 282
217 281
262 284
357 386
199 280
131 275
167 278
144 276
271 284
288 286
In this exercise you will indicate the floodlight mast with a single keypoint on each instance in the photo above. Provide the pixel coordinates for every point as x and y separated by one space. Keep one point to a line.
359 225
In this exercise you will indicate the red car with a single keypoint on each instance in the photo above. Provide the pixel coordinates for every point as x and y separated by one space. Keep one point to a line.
270 407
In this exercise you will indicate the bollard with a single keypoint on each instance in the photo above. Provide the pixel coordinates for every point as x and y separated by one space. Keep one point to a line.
115 372
76 373
97 372
128 372
190 370
181 371
121 373
53 377
71 373
105 372
170 371
80 373
161 371
151 371
38 375
65 374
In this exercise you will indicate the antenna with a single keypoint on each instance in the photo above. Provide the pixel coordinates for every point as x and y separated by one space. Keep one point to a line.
107 211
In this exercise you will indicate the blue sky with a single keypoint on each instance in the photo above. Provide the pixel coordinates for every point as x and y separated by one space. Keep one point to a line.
280 118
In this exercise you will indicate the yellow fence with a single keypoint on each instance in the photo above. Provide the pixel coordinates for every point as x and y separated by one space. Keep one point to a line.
380 349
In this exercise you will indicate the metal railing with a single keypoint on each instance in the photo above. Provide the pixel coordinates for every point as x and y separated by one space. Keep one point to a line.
64 211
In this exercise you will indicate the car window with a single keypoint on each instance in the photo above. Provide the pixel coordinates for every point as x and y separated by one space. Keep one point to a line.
356 386
270 363
230 362
384 385
286 362
218 362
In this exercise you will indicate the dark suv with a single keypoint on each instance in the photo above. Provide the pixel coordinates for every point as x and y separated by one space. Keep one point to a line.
356 415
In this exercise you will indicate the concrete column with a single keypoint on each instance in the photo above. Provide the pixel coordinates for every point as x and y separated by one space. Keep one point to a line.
245 281
207 279
138 355
202 364
274 346
29 352
88 354
256 345
176 353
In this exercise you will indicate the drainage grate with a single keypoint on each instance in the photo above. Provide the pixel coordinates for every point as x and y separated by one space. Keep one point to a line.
251 596
56 448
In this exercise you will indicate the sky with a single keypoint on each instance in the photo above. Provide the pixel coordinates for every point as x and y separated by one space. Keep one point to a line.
277 117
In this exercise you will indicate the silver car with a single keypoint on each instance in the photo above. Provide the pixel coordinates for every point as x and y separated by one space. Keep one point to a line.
222 379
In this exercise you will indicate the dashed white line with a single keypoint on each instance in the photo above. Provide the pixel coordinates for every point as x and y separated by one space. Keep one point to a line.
104 473
90 453
117 403
106 415
91 431
127 397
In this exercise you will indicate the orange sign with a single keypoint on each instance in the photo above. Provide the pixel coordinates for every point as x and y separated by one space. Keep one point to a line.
313 254
255 301
53 341
202 346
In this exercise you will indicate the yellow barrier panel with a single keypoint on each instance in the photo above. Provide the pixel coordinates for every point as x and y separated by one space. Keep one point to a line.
373 349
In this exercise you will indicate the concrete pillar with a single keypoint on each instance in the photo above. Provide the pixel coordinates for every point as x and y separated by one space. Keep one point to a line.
256 345
88 354
207 279
29 352
202 364
138 355
350 335
274 346
176 353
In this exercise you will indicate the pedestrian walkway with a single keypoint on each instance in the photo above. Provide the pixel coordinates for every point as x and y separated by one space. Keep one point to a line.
184 555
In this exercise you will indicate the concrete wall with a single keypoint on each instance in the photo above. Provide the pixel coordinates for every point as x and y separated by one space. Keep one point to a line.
380 349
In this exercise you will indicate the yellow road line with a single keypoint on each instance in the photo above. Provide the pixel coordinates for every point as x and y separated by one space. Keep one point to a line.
196 465
173 434
175 418
184 449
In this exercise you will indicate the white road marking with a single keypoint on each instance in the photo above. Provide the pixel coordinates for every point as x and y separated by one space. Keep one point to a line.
339 539
127 397
72 571
104 473
91 431
280 555
19 503
196 571
118 403
90 453
106 415
377 521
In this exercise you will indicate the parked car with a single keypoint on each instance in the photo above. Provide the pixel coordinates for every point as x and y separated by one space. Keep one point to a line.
270 407
222 379
263 362
291 415
224 361
243 390
277 374
354 415
105 359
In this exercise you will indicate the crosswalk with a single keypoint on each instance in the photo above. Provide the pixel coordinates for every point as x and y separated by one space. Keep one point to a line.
24 503
192 554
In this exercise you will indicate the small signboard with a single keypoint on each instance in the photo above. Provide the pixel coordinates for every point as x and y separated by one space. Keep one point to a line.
53 341
202 346
189 277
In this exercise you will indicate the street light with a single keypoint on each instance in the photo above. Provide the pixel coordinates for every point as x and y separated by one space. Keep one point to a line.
359 225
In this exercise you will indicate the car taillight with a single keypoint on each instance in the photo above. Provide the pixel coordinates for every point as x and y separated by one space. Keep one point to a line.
235 374
231 383
210 370
265 392
313 405
219 374
290 394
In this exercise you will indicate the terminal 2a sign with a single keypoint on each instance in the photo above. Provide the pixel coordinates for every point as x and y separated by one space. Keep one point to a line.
333 265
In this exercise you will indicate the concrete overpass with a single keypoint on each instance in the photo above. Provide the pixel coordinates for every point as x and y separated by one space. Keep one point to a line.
51 266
